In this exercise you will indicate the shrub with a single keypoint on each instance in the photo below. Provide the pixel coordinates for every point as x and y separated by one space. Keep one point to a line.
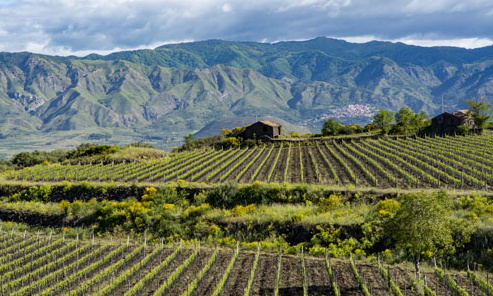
34 193
223 196
329 203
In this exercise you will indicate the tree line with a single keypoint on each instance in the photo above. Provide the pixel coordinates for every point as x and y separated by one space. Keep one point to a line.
406 122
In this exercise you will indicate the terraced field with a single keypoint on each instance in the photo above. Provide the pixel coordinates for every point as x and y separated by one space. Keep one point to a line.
449 162
45 265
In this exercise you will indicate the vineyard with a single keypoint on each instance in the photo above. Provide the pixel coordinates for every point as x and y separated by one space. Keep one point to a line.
46 265
412 162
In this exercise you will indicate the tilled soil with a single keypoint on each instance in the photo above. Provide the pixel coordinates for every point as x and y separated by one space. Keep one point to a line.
437 285
247 176
345 279
166 272
265 276
404 280
244 162
278 175
373 280
265 170
339 169
324 170
214 275
238 279
142 271
309 173
201 174
294 170
317 278
463 280
190 274
291 277
362 178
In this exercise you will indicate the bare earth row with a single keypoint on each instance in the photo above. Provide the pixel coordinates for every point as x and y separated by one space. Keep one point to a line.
42 266
453 162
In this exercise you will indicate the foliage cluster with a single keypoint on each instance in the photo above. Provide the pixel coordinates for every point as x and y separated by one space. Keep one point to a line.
332 127
404 122
84 152
417 225
228 139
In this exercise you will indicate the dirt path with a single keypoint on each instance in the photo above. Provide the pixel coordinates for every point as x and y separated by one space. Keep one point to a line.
346 281
238 278
278 175
164 274
247 177
435 284
245 162
325 172
374 281
339 169
291 279
265 276
317 278
264 171
309 173
294 166
190 274
130 282
214 275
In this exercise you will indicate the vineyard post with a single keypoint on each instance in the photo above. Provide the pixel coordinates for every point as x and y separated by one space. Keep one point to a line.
390 276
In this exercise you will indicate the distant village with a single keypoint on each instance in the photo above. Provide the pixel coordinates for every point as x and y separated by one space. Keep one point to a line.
349 111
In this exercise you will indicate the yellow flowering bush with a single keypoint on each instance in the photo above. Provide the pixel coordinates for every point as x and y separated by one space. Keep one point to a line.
195 211
329 203
387 207
240 210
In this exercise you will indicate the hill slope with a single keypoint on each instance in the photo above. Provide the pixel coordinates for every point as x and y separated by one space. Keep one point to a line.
160 95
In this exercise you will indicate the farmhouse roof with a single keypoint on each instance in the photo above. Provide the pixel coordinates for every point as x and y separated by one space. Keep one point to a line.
461 113
270 123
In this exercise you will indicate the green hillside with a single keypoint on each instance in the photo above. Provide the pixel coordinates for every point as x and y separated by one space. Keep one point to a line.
163 94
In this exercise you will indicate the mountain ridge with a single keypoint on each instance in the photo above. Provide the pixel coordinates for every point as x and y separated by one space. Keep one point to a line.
164 93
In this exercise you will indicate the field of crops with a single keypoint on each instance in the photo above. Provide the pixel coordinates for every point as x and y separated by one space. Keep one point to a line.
45 265
452 162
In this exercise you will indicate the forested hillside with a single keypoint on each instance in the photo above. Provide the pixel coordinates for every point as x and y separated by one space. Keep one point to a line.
160 95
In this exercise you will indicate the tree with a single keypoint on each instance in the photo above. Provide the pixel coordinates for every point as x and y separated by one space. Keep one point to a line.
480 112
421 224
409 122
331 127
189 142
384 120
405 115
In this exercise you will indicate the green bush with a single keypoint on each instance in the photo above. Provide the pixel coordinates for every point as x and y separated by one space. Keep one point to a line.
223 196
34 193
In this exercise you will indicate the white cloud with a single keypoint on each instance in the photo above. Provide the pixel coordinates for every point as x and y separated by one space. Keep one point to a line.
226 8
76 27
464 42
415 40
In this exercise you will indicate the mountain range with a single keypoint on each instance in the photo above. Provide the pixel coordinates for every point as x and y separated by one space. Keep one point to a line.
160 95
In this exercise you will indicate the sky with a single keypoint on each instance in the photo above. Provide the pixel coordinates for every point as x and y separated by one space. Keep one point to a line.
80 27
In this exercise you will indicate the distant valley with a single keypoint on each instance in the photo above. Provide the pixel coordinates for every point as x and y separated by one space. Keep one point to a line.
161 95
